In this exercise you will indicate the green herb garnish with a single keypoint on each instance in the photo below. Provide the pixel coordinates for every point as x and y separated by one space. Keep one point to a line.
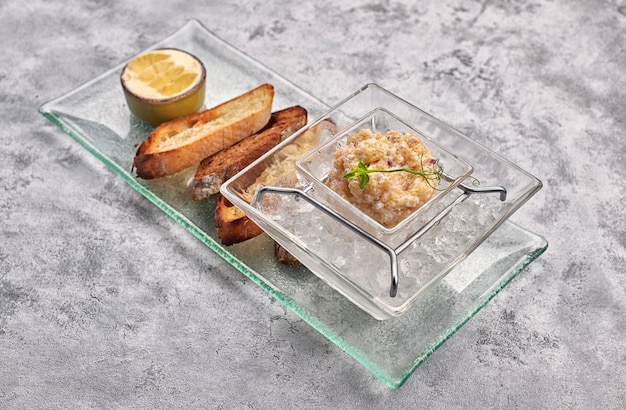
362 172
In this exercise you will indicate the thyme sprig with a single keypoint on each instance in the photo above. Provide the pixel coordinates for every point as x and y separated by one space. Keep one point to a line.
362 173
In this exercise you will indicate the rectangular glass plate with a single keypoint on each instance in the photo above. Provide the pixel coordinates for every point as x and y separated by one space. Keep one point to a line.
96 116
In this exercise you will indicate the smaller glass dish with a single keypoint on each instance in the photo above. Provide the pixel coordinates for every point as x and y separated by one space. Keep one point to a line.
317 164
382 272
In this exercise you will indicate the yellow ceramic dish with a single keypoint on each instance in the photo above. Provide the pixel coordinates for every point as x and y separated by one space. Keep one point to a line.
163 84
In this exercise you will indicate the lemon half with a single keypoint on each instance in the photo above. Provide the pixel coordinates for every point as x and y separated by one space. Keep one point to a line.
163 84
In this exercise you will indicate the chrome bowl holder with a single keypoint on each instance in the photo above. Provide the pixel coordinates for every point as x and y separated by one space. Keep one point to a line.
392 252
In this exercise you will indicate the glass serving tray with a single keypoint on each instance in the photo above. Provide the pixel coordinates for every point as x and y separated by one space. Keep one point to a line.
96 116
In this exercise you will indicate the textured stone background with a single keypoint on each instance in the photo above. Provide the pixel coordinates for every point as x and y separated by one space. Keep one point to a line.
105 302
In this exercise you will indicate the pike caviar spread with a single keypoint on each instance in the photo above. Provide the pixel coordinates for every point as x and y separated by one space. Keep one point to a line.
388 197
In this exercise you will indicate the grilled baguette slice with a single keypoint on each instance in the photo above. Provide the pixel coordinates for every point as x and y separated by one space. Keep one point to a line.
214 170
185 141
283 256
233 226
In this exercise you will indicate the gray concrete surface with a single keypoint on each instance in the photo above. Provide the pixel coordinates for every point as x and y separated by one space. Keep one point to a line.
105 302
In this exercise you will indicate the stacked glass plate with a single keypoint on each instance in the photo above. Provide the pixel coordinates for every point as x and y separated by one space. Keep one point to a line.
433 297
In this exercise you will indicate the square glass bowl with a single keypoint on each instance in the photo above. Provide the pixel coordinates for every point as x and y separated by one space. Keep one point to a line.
317 164
384 278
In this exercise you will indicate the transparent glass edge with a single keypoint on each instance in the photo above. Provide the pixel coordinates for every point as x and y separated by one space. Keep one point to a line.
396 382
480 303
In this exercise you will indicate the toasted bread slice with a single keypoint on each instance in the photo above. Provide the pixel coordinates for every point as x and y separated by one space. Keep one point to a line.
283 256
185 141
233 226
214 170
